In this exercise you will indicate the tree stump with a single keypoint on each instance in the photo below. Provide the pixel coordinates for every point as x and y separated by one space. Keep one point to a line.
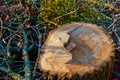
76 48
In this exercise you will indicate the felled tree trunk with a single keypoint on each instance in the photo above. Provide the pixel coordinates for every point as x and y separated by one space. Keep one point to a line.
75 48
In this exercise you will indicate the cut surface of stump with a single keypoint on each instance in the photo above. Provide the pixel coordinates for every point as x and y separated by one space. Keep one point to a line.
75 48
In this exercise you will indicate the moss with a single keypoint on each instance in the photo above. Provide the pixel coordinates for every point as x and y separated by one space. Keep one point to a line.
60 11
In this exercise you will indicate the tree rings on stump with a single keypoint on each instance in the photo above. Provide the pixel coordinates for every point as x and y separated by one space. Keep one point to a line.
75 48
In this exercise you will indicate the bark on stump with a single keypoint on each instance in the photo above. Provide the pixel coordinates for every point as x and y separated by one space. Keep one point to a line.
75 48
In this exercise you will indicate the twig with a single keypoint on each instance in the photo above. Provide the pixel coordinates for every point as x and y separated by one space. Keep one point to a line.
8 69
26 58
5 27
66 14
114 21
5 56
1 28
39 46
8 44
13 74
53 23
